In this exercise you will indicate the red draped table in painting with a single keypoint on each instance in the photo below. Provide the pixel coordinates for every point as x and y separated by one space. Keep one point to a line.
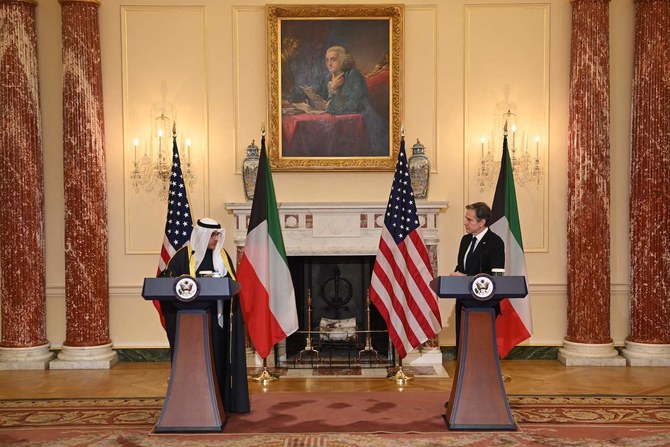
324 135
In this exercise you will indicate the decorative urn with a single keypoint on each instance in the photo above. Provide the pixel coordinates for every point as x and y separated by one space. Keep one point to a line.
250 170
419 171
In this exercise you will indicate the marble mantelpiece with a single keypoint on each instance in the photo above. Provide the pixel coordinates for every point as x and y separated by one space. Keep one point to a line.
334 228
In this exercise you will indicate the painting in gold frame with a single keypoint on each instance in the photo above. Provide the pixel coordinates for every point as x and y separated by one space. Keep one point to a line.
334 74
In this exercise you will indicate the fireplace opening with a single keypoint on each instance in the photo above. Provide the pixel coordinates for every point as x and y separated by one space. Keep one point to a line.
338 288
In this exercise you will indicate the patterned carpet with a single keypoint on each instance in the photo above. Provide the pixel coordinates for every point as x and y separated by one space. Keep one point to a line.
543 420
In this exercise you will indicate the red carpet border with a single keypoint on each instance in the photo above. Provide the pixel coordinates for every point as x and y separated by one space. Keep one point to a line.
341 419
523 438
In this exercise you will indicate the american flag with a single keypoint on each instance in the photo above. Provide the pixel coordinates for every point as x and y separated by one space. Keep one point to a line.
178 224
400 284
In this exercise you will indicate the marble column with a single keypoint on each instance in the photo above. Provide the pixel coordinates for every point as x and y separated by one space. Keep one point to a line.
648 342
24 344
588 340
87 344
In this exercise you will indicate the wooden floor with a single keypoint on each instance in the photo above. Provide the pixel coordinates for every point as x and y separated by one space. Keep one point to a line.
146 379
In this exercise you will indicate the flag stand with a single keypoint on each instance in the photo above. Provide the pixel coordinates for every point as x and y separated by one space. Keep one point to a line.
265 377
400 377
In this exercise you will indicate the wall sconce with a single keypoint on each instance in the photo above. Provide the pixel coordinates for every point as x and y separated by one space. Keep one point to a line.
525 168
150 170
189 175
488 167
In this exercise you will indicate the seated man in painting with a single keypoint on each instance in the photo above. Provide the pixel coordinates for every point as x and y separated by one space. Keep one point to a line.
344 91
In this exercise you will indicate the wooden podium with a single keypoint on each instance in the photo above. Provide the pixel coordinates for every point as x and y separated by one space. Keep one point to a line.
192 402
478 399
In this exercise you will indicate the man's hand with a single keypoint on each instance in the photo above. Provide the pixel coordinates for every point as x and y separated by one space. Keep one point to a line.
457 274
337 81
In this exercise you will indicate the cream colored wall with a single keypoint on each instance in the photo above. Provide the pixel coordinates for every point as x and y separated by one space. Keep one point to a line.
459 59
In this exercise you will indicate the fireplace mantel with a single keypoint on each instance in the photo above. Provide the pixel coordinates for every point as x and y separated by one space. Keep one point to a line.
336 228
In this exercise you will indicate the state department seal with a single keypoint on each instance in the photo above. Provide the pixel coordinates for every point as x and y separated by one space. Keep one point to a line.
482 287
186 289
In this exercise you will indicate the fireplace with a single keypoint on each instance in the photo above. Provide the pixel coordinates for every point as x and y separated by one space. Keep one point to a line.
337 286
322 239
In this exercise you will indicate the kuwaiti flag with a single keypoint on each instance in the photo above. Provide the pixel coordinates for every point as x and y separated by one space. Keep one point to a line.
267 295
514 323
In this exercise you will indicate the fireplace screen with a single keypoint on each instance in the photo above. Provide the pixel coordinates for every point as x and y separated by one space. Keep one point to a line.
331 295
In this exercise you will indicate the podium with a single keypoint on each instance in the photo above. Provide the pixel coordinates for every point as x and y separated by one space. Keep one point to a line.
478 399
192 402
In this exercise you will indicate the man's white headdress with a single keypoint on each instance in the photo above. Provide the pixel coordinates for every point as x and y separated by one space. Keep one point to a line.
200 236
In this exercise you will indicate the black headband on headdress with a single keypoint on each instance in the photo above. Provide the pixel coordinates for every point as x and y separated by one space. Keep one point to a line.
205 225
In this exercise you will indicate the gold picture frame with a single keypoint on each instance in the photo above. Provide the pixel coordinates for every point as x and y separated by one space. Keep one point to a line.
338 114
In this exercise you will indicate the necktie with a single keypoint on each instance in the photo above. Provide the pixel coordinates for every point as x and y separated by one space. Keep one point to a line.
473 242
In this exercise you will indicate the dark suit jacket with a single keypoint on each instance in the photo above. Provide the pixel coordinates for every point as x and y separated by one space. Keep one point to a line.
489 254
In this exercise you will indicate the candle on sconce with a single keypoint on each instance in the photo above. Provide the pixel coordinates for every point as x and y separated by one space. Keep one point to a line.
160 137
136 141
513 136
188 150
482 140
537 147
525 143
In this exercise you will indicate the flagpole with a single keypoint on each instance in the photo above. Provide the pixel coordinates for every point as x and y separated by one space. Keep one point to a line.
230 341
389 290
275 317
505 222
505 377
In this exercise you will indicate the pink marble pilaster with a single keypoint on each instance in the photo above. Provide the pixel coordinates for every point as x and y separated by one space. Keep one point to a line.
22 249
86 237
650 176
589 175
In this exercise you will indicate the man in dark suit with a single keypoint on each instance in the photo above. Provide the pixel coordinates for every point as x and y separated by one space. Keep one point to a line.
481 250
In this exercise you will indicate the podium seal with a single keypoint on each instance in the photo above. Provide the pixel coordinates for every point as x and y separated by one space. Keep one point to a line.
482 287
186 289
